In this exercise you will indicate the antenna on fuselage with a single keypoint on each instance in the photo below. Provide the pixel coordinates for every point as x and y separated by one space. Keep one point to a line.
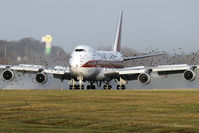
117 43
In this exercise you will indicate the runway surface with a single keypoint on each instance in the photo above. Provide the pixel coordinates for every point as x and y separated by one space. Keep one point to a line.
99 111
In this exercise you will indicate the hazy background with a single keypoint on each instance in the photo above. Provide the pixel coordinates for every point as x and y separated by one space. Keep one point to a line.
167 25
153 26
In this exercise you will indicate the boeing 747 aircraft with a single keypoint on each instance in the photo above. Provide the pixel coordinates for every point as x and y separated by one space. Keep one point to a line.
89 65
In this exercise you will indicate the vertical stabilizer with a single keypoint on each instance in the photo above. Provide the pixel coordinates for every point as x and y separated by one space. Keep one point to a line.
116 46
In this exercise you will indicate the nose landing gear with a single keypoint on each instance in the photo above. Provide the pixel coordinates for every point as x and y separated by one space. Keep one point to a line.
74 86
80 78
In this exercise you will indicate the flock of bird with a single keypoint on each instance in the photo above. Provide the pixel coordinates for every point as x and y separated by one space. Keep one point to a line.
49 61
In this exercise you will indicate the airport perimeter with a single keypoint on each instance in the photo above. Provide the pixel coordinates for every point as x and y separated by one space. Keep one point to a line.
99 111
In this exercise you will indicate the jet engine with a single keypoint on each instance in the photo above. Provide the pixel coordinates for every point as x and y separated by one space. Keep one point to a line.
144 78
41 78
7 75
189 75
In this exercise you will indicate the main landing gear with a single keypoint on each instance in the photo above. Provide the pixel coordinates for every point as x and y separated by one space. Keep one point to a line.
73 86
121 84
119 87
91 86
107 86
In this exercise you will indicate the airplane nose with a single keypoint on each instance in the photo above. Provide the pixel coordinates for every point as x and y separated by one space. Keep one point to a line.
75 61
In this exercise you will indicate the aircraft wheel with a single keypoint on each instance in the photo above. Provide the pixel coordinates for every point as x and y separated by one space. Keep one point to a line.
93 87
82 87
123 87
105 87
88 87
77 87
118 87
71 87
109 87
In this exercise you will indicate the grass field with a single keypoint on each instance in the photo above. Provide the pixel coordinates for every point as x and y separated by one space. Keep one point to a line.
99 111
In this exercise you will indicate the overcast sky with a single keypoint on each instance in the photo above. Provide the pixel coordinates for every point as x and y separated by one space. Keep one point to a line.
163 24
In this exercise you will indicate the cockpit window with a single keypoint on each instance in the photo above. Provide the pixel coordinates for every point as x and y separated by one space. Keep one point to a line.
79 50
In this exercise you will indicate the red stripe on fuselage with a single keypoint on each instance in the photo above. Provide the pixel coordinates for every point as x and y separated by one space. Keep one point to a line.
103 63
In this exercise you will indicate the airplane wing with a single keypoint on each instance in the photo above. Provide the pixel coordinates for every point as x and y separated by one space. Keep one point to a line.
142 74
39 71
140 56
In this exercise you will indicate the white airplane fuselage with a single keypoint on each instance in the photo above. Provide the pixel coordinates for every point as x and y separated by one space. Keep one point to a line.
90 63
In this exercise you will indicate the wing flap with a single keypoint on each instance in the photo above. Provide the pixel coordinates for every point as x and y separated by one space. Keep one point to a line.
57 71
132 73
4 66
27 68
172 69
38 68
128 70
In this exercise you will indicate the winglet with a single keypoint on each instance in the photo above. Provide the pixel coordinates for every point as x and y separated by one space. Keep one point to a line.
116 46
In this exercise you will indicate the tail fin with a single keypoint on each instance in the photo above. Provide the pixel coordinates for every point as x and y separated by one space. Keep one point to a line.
116 46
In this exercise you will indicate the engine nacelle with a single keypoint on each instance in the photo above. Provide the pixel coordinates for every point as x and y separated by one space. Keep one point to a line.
189 75
41 78
8 75
144 78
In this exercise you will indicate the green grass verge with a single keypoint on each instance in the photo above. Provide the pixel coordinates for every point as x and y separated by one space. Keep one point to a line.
99 111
